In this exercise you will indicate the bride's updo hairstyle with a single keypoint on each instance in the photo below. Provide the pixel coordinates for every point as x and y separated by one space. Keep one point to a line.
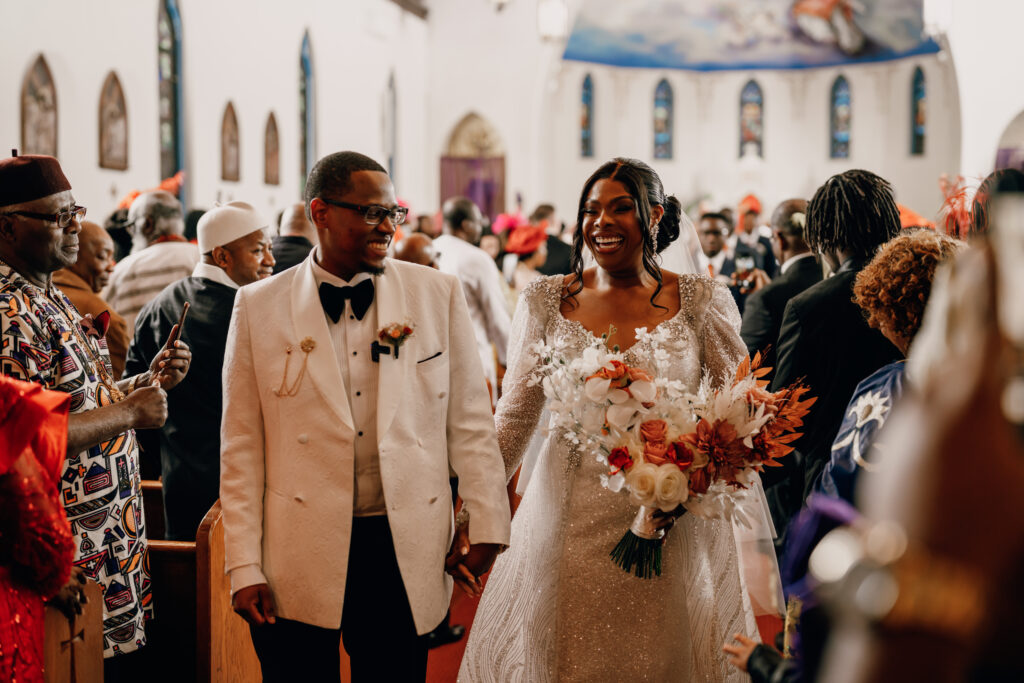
644 185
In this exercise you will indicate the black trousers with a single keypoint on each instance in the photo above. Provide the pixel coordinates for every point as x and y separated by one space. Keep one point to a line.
376 623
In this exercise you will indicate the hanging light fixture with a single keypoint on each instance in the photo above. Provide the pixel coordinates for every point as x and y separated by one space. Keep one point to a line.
552 19
499 4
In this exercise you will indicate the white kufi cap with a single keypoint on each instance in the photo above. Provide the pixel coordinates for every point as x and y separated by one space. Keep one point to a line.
226 223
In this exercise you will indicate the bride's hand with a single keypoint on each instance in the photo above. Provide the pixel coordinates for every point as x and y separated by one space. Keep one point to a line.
665 520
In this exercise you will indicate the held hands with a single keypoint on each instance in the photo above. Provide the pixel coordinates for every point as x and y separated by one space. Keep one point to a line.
171 365
466 562
255 604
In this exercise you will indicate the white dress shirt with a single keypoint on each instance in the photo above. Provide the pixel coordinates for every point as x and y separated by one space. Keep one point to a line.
716 262
481 283
789 262
352 339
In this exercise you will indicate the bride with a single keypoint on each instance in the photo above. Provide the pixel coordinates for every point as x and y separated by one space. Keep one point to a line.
556 608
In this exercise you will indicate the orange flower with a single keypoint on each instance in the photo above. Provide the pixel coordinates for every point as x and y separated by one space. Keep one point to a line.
638 375
727 454
617 370
396 333
654 452
653 430
681 455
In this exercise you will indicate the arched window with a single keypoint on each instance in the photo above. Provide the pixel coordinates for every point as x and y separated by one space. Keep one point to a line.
307 120
841 115
663 114
391 126
271 153
587 117
113 117
918 113
229 147
39 110
172 152
751 120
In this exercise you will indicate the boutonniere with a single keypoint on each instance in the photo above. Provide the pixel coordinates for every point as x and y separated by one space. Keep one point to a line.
394 335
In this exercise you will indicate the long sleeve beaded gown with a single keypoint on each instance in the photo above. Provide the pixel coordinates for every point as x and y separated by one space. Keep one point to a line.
556 608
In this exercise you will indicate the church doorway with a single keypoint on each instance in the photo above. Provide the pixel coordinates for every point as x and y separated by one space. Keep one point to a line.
474 165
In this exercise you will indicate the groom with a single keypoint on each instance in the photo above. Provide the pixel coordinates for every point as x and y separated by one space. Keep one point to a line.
337 441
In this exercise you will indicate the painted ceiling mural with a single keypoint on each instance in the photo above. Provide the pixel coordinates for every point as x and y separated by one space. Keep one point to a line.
712 35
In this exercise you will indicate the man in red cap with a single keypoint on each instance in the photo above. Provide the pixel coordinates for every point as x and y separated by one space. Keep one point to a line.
43 339
749 241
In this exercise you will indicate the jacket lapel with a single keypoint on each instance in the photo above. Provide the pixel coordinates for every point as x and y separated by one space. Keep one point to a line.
392 372
309 321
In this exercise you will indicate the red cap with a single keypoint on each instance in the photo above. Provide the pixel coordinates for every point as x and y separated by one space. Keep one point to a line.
750 204
30 176
526 239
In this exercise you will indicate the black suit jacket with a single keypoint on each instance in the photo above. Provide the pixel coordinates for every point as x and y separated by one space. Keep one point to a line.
559 256
288 251
762 315
826 342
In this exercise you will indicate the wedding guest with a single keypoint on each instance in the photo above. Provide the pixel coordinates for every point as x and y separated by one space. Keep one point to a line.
417 248
295 240
160 254
762 315
1009 179
82 282
713 230
825 340
43 340
559 253
529 244
236 252
481 282
36 546
748 239
941 601
116 226
336 448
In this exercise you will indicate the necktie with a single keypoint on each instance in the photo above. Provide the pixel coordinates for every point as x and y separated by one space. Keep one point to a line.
333 299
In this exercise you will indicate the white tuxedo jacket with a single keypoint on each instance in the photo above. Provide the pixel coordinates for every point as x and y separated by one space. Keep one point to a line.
287 478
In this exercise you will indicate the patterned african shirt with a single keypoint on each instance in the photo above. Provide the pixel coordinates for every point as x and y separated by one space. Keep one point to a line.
41 341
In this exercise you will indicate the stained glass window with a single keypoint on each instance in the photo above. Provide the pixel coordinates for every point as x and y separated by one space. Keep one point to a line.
230 164
751 120
841 115
39 110
663 120
172 157
391 126
918 113
307 120
587 118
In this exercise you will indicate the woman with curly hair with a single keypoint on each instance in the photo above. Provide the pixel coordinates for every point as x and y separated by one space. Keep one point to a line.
892 291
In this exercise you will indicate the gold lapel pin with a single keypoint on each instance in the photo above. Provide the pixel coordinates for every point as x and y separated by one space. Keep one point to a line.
306 346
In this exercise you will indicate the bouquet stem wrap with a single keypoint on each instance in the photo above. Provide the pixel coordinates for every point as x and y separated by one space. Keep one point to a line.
639 550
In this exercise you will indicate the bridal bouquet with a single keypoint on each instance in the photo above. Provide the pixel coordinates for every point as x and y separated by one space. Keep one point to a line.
663 445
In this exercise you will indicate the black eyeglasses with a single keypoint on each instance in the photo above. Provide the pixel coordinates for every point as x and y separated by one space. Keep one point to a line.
61 218
373 214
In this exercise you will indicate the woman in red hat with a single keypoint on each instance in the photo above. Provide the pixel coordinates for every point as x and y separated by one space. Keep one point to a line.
529 243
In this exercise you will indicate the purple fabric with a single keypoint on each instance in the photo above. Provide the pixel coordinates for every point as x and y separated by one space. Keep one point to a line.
481 180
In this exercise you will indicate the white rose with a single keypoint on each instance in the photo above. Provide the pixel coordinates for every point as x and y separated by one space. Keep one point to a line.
642 481
671 488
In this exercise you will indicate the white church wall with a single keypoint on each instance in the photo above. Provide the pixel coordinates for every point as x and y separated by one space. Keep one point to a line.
796 161
252 63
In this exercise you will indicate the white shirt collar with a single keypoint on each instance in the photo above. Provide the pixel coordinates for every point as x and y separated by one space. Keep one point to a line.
789 262
322 275
205 270
716 261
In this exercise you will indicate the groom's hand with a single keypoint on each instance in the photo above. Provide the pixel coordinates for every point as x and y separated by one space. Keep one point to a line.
480 557
255 604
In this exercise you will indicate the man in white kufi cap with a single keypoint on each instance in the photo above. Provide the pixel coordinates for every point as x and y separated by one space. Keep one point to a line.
235 252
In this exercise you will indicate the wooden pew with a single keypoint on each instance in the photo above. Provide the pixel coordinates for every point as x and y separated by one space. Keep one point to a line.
73 651
194 635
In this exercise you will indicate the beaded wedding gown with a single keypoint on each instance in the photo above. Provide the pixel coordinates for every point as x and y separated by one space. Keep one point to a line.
555 607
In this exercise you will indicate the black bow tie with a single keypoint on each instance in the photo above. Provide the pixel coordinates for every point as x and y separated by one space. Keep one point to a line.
333 299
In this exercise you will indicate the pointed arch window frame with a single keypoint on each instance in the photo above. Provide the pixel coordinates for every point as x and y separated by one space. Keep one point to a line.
587 117
105 161
918 112
751 94
391 123
840 141
271 165
40 60
307 111
177 115
230 119
664 112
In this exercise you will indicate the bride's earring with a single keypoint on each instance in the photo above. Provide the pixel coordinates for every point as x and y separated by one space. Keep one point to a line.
654 231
